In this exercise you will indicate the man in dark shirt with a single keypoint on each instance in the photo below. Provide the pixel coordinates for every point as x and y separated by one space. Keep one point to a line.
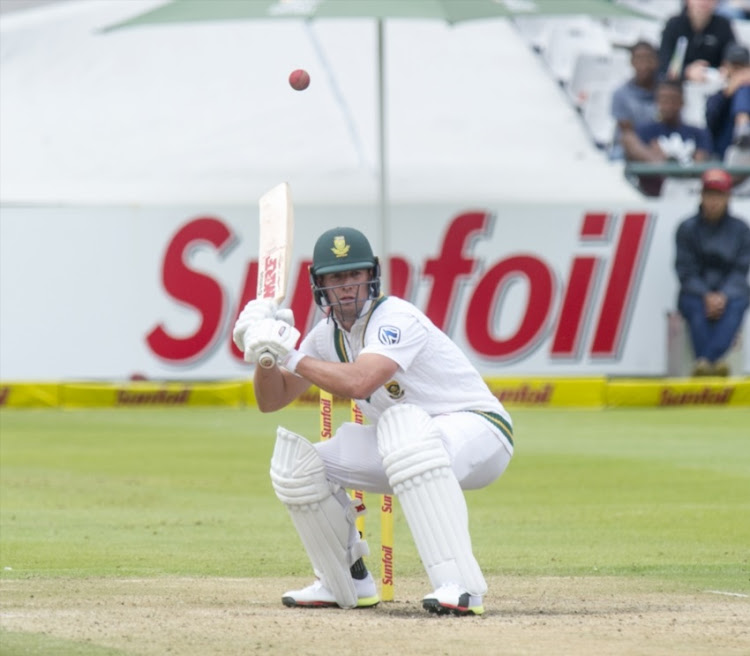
693 41
728 110
668 139
713 258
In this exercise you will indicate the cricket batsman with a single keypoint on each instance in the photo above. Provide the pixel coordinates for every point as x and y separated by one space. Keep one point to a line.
434 429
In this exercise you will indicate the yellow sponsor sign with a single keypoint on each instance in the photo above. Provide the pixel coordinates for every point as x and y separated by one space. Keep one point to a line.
549 392
523 392
148 394
675 392
29 395
248 394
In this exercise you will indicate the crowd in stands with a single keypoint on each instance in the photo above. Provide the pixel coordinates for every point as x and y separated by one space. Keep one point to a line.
698 47
679 98
674 90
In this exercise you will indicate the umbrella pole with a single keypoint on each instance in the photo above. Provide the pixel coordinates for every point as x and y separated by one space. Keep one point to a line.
383 167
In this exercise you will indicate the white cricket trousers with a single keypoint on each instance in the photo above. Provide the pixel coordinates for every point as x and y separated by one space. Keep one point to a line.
478 451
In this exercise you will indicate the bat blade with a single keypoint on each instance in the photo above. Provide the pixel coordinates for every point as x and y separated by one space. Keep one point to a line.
275 249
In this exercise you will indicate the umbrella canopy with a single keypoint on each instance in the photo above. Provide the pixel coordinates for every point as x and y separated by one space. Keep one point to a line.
450 11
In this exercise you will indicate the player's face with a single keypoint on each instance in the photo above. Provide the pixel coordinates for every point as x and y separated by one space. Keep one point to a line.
346 292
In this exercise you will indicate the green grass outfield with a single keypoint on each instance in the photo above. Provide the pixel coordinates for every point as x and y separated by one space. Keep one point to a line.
657 493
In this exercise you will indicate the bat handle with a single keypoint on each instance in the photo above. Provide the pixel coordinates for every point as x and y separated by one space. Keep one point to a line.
267 360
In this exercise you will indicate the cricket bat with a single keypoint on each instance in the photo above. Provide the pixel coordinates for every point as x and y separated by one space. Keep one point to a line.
274 250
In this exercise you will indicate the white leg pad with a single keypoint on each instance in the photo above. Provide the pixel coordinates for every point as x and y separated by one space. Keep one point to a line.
419 471
325 526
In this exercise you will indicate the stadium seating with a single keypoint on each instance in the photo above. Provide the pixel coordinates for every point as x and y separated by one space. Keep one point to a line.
597 115
590 58
569 38
596 70
658 9
624 32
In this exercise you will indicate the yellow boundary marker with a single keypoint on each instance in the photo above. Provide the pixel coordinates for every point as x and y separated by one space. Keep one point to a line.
595 392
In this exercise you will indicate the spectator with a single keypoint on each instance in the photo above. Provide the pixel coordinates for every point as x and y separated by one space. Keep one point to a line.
713 258
694 41
634 103
667 139
728 110
734 9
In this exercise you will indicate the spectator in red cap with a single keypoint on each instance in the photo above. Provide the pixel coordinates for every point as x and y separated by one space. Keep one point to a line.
713 258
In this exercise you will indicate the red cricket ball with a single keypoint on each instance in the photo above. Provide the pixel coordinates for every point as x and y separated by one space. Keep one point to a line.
299 79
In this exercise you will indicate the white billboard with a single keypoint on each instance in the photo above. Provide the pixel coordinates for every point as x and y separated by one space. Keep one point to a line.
113 292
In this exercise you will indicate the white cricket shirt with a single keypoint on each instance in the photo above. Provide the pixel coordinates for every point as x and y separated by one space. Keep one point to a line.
433 372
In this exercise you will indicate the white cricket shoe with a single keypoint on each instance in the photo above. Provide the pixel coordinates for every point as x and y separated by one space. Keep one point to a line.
451 598
317 595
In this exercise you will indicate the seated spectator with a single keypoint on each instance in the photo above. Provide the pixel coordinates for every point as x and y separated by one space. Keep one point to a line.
694 41
667 139
734 9
634 103
728 110
712 262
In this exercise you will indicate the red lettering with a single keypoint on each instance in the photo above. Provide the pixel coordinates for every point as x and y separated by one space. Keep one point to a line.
567 341
568 335
619 295
595 226
387 560
302 304
453 264
525 394
705 396
196 290
487 298
326 419
360 508
525 322
358 418
387 505
270 282
160 397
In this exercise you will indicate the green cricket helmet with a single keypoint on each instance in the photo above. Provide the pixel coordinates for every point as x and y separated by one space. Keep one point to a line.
342 249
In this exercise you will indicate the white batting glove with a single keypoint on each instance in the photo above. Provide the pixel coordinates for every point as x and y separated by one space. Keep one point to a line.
285 315
254 311
269 336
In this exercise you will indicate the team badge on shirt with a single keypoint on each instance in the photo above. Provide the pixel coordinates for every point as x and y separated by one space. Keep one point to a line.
389 335
394 389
